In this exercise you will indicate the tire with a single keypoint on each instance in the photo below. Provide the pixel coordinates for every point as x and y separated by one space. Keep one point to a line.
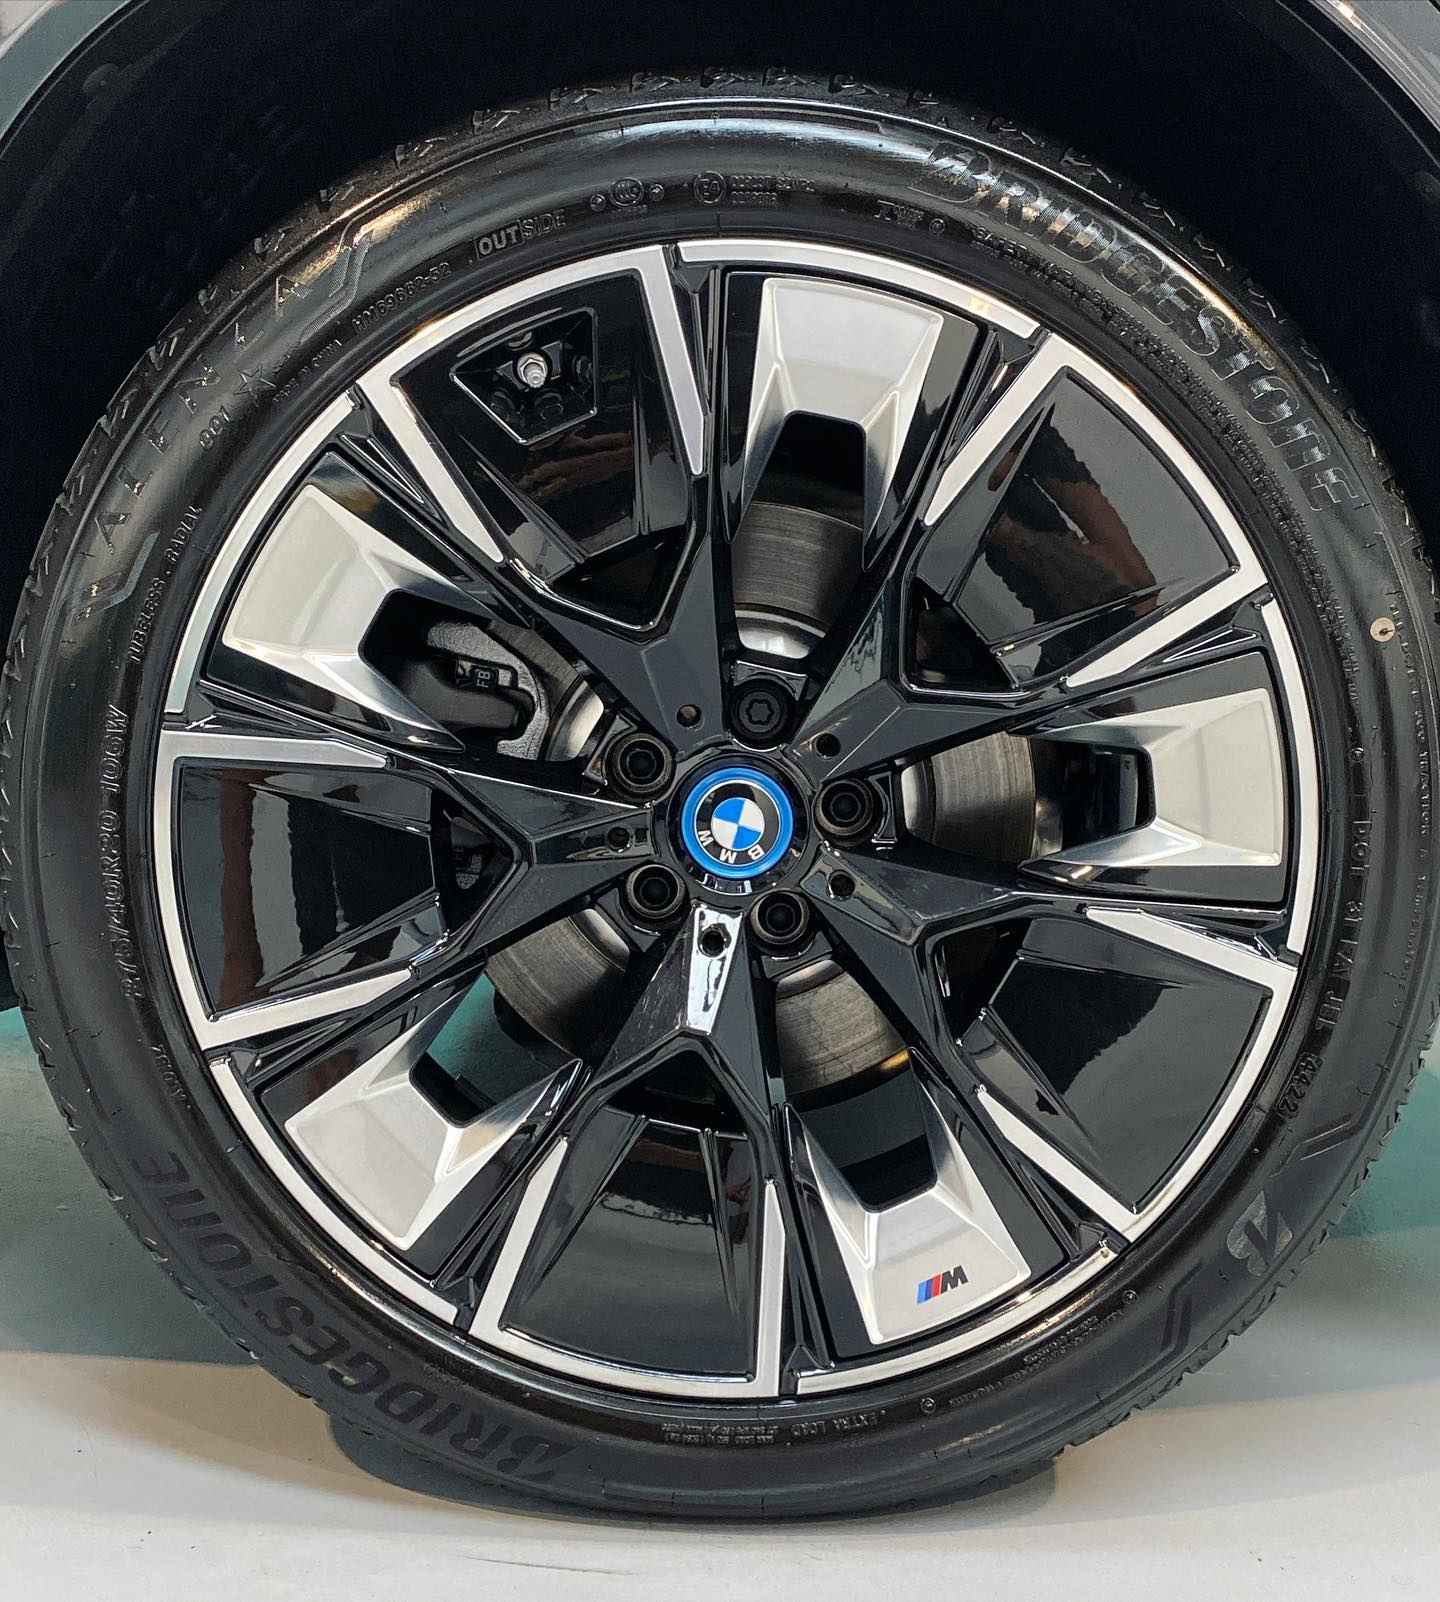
220 397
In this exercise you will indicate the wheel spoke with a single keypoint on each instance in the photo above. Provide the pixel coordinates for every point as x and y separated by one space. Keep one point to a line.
390 1153
701 996
936 1255
863 712
567 844
217 1025
668 674
889 911
865 716
316 587
852 354
1104 1106
1063 582
1214 773
694 1001
543 1277
895 910
516 511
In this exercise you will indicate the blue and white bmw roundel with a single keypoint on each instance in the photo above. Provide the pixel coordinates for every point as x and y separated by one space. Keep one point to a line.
737 823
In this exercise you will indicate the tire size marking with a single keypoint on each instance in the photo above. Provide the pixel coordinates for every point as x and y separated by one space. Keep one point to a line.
114 739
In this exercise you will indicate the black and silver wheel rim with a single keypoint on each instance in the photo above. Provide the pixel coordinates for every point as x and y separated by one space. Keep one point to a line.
736 819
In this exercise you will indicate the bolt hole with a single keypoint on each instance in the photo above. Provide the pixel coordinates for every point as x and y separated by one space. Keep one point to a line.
827 745
713 940
655 891
842 887
618 838
845 809
780 917
640 764
688 716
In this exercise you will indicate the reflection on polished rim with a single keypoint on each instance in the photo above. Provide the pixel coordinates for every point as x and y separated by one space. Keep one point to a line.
384 765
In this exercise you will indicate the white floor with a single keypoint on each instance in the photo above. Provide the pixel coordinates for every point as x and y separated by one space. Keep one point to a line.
142 1456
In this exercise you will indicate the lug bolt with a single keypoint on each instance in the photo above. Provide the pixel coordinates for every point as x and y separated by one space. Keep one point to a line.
760 711
654 892
845 809
640 763
780 918
533 370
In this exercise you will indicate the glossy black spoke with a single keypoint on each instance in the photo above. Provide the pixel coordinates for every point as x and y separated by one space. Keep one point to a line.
321 858
584 501
625 1175
702 997
567 844
669 674
865 712
866 716
889 907
1031 574
889 910
893 914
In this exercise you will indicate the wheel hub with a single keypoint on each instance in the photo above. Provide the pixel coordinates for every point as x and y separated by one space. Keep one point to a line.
737 823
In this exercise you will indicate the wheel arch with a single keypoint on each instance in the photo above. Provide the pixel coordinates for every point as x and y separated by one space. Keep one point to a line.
180 129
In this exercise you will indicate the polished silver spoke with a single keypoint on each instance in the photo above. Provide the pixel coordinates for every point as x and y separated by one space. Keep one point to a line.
1018 394
312 594
931 1258
844 352
1216 779
1248 961
388 1152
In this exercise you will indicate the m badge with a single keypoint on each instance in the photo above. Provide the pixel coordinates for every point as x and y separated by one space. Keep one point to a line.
938 1284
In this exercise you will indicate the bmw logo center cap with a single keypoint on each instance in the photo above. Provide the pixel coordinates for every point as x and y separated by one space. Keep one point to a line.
737 823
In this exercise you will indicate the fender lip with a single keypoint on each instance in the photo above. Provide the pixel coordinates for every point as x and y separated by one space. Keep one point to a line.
1403 40
36 38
